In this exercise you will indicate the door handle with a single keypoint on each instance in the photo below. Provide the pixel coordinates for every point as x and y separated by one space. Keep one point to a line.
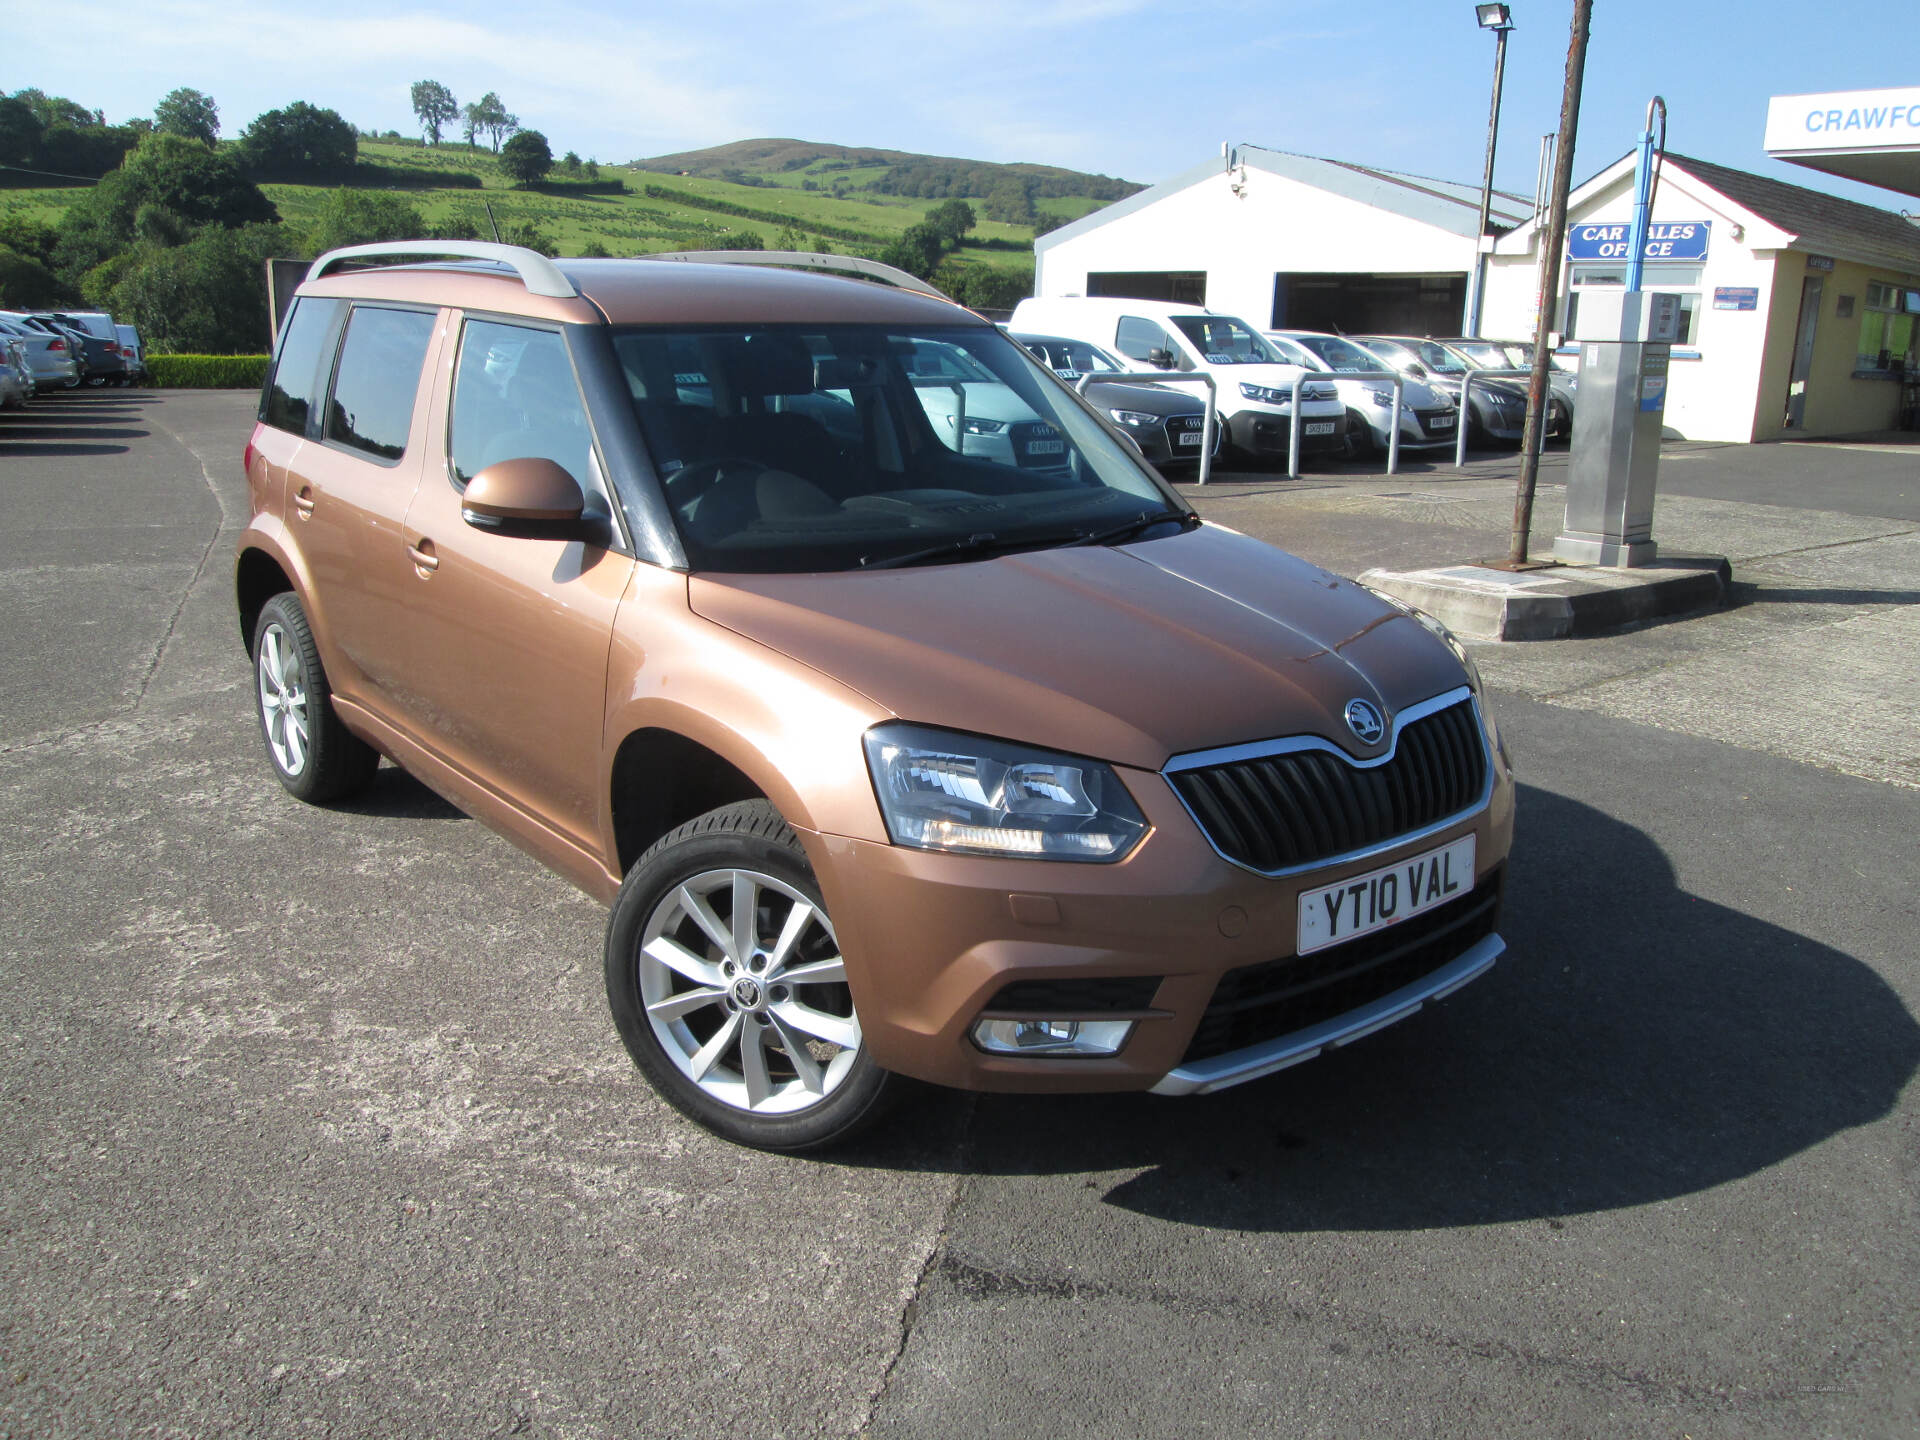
425 562
303 502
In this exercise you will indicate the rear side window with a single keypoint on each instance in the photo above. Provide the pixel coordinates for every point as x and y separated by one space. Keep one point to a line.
377 378
297 375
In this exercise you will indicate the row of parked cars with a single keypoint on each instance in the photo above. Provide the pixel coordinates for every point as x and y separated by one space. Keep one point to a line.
1346 393
62 349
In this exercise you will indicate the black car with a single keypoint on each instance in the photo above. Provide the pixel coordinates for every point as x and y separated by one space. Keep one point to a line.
1164 422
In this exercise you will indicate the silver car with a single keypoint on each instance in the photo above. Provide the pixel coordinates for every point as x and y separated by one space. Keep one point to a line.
1429 418
49 358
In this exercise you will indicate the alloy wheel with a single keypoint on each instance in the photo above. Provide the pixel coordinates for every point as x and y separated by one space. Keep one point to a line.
283 700
746 992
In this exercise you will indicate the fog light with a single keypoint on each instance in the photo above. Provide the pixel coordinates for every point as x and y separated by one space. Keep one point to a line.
1051 1037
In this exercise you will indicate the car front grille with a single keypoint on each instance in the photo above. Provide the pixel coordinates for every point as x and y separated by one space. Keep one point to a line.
1280 812
1256 1003
1180 425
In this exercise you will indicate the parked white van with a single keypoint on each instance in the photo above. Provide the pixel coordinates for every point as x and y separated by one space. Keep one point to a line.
1255 384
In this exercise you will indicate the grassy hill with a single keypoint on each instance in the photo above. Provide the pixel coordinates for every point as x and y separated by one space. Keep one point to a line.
649 207
892 176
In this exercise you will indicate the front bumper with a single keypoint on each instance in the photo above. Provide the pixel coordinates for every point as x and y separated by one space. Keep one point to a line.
1260 432
931 941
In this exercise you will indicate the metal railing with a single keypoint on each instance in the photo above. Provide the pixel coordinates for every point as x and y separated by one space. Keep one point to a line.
1209 427
1392 377
1466 385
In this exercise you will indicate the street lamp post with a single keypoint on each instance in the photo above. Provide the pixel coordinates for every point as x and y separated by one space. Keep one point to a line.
1499 19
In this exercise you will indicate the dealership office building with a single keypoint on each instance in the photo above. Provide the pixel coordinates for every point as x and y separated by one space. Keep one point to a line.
1800 309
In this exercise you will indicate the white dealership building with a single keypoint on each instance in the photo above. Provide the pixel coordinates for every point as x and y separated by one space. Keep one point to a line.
1800 308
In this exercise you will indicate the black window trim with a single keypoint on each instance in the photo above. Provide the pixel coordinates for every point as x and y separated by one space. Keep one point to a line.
623 528
324 362
316 427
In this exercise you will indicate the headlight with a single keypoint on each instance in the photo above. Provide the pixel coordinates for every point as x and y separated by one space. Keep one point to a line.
1265 394
982 427
945 791
1135 418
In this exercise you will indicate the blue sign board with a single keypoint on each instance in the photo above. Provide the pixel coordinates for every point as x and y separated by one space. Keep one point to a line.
1669 240
1736 297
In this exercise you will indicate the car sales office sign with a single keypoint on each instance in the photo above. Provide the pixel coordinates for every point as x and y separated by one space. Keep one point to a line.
1611 240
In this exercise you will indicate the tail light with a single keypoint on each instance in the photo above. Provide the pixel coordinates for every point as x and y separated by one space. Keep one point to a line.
112 349
56 347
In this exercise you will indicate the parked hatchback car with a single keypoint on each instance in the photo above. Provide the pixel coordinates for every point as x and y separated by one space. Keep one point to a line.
49 357
1428 419
1166 424
890 758
1497 405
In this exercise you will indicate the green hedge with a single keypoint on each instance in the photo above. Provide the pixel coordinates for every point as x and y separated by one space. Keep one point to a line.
207 372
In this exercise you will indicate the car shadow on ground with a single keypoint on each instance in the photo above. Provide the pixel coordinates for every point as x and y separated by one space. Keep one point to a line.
396 795
1764 593
1636 1043
73 422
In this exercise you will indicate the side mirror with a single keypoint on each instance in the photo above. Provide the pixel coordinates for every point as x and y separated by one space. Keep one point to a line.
530 497
1160 359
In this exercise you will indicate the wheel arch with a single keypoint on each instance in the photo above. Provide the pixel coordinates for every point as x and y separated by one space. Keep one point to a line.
661 778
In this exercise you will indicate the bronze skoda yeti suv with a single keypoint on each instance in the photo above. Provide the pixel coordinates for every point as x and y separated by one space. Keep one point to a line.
910 724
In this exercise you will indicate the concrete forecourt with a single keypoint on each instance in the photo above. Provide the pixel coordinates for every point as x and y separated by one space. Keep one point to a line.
317 1126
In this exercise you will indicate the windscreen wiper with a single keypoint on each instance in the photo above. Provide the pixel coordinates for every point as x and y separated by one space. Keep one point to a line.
964 545
1146 521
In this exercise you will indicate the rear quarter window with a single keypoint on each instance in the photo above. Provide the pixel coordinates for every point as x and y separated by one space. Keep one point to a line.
297 370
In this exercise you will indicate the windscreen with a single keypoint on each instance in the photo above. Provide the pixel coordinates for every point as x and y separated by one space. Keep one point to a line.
1223 340
1342 356
801 448
1438 358
1484 353
1070 359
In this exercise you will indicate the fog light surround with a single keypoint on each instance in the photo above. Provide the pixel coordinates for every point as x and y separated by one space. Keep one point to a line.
1049 1035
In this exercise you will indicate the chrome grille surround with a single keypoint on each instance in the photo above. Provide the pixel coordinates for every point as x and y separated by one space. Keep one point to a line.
1268 749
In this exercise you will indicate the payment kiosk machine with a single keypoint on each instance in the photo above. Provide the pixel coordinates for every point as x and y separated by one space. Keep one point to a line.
1626 342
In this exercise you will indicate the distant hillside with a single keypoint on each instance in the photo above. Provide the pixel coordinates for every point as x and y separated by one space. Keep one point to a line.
1012 194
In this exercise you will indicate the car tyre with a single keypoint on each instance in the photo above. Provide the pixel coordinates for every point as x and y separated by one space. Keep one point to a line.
1359 442
316 757
744 1025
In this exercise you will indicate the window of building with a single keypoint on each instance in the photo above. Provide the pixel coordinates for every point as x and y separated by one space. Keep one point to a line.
1681 280
297 374
377 379
1889 317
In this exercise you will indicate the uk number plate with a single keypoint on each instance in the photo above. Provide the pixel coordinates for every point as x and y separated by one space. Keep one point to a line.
1440 422
1362 904
1320 427
1190 437
1047 447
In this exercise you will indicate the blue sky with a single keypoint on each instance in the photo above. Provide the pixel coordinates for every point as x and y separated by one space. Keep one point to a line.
1140 88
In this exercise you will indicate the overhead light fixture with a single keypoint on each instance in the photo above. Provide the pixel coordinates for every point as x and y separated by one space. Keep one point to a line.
1494 17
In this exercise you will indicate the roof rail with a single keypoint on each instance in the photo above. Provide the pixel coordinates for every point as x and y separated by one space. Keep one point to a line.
539 274
807 260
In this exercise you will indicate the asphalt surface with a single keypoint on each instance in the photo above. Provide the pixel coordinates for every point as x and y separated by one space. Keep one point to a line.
316 1123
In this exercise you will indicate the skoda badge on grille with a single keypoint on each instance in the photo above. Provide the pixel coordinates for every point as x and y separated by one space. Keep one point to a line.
1364 720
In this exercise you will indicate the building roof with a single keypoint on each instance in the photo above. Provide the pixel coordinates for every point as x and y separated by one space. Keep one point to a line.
1802 219
1825 224
1444 204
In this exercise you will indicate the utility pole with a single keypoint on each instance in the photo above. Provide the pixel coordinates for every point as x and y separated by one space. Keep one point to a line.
1554 248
